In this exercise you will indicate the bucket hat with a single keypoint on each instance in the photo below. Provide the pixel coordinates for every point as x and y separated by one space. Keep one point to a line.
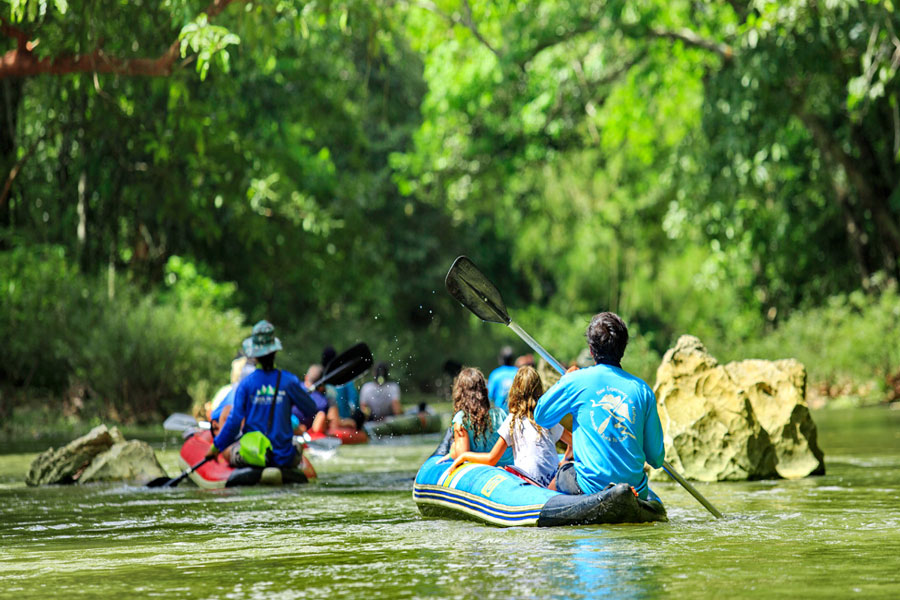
262 340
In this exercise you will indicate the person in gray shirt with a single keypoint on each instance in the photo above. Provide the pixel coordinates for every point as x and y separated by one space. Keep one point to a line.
380 398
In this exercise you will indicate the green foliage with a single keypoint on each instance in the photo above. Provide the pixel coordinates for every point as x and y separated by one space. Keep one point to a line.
134 357
709 168
849 344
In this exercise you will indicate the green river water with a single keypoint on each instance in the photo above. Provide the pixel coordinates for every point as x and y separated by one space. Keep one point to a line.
358 533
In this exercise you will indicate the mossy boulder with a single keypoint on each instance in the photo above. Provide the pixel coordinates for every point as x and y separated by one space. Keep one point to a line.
102 454
743 420
133 460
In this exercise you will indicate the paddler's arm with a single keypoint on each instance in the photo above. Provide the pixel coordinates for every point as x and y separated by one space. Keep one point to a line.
300 398
554 404
484 458
654 446
566 438
460 441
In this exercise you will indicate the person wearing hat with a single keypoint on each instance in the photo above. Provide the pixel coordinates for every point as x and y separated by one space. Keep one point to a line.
501 378
263 401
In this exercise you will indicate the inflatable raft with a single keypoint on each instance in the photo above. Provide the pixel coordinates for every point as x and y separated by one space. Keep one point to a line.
219 474
408 424
498 497
347 435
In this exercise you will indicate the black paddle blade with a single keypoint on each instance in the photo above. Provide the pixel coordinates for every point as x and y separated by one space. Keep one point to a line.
347 366
475 291
158 482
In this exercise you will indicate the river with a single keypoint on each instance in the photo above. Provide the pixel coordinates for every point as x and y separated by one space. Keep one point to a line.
357 533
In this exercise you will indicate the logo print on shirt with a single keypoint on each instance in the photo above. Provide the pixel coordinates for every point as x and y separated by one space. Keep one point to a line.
619 415
264 394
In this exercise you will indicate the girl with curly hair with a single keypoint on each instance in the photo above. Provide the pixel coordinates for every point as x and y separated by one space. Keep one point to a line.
475 422
534 448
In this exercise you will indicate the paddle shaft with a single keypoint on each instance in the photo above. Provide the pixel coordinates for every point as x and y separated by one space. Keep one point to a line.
666 466
181 477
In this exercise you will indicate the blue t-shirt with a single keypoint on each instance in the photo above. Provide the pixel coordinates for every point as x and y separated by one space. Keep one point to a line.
347 400
252 401
615 426
486 442
499 382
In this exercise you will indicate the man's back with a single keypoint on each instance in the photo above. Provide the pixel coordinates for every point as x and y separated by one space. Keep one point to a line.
253 403
616 426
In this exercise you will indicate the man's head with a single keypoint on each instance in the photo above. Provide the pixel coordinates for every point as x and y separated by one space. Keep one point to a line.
506 356
381 372
607 337
328 354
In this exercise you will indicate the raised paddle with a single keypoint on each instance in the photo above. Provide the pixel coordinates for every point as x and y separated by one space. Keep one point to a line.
475 291
342 369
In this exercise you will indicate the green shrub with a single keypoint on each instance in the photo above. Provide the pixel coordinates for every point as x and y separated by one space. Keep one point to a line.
134 356
849 346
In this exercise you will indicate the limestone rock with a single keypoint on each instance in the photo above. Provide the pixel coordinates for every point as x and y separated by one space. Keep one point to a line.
63 465
744 420
102 454
777 392
133 460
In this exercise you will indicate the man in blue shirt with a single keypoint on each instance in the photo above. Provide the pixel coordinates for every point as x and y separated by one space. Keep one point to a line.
501 378
253 404
615 426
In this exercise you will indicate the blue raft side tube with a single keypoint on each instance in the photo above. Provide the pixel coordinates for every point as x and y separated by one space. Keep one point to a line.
497 497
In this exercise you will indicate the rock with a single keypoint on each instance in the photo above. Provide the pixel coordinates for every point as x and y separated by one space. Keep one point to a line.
777 392
65 464
133 460
744 420
102 454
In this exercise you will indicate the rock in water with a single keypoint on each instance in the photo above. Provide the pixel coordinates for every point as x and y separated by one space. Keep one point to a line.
65 464
133 460
100 455
744 420
777 392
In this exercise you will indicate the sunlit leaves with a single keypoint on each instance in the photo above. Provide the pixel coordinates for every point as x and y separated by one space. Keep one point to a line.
209 42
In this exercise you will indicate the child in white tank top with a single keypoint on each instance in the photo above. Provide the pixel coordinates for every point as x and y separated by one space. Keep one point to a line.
534 448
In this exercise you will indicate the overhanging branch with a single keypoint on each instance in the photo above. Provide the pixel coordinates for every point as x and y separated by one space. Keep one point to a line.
22 61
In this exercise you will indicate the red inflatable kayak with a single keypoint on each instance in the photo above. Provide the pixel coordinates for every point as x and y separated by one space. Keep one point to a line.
347 435
218 473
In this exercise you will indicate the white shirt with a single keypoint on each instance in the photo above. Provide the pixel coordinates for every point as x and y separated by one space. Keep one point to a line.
534 453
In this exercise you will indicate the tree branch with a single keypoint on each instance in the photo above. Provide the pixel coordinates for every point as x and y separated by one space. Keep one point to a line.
690 38
466 21
684 35
22 62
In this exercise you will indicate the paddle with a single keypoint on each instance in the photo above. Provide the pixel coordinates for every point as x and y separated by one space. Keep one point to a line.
475 291
342 369
181 422
166 482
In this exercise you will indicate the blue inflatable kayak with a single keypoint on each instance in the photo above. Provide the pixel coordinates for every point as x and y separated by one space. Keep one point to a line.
495 496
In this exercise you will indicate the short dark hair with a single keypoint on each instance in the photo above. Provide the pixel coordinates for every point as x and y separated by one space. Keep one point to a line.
607 337
506 356
381 369
266 361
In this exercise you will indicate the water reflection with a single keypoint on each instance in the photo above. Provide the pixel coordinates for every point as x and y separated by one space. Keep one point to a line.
601 562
